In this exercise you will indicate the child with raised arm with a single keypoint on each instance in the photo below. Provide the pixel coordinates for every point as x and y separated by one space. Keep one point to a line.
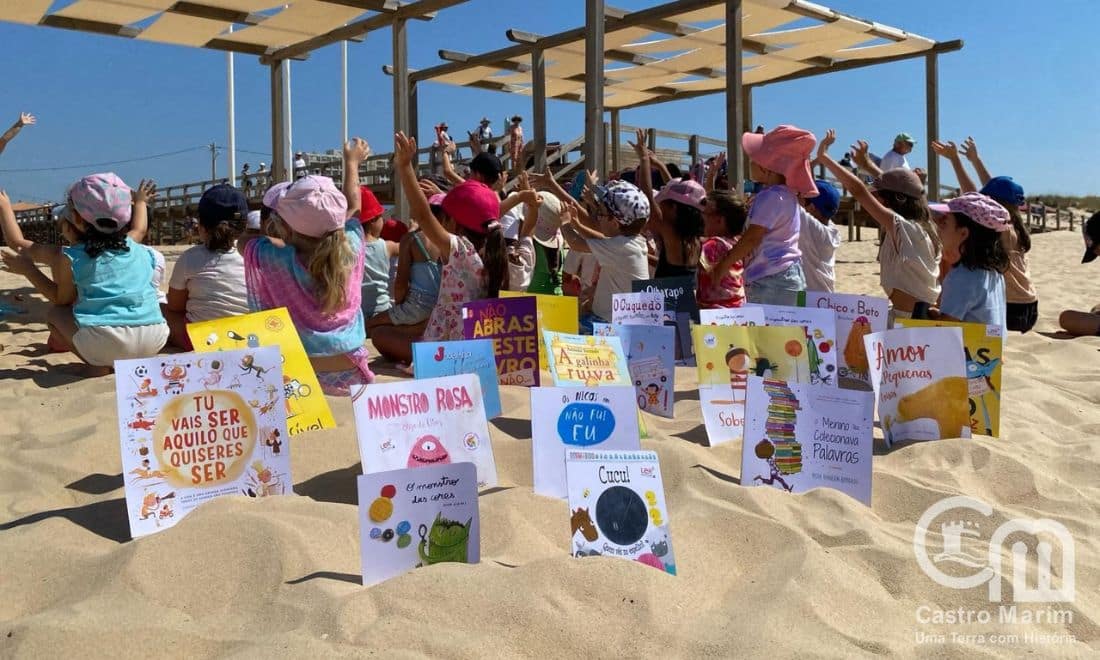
471 242
724 220
25 119
769 245
622 211
910 250
208 279
974 289
104 306
317 272
819 238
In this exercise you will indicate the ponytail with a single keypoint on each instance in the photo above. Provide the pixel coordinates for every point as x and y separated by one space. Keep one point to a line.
223 236
330 263
494 255
96 243
1023 236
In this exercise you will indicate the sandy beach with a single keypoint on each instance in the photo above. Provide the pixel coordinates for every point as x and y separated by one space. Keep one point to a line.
761 572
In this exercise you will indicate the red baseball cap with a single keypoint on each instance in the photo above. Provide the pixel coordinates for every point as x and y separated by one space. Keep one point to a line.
369 206
473 205
393 229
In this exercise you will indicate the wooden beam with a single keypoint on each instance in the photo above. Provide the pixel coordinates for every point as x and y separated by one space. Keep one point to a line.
538 107
457 56
84 25
735 109
616 138
594 144
401 88
200 10
366 5
421 10
569 36
932 118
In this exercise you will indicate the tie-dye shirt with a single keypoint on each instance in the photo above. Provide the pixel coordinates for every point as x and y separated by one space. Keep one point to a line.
774 208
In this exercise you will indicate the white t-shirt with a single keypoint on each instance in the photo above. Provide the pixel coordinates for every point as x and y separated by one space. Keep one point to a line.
818 242
893 160
910 262
214 282
622 260
521 264
158 273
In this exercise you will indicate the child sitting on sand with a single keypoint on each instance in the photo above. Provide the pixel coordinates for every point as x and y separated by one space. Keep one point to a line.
377 255
819 238
208 280
974 290
780 162
622 212
1085 323
317 274
910 250
104 306
724 219
470 239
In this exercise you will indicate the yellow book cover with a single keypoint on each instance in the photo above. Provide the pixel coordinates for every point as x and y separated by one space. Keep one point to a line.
555 313
984 347
306 407
725 357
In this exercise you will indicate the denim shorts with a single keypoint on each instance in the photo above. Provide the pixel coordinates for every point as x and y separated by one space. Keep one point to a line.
779 289
415 308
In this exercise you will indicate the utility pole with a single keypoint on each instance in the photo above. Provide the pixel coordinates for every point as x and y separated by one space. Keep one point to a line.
213 162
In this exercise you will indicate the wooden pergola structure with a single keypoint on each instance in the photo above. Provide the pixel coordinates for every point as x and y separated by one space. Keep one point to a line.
678 50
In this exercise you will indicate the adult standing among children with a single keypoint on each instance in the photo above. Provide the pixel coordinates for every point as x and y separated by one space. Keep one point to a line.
515 142
25 119
895 158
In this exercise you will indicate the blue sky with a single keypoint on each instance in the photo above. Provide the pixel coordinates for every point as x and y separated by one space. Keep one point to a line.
1025 86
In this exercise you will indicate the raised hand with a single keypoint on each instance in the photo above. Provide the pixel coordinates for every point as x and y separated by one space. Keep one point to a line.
404 149
17 263
26 119
719 160
639 144
970 148
5 201
356 150
921 174
429 188
826 142
146 191
947 150
543 180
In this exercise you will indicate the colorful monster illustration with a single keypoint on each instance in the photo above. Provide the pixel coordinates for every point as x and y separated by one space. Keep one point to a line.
737 359
448 540
428 450
248 365
151 503
214 377
581 522
141 423
174 375
855 353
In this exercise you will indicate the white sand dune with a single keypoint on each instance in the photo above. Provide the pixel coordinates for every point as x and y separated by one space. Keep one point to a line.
761 572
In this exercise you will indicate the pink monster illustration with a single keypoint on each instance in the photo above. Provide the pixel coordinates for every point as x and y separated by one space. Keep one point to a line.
428 450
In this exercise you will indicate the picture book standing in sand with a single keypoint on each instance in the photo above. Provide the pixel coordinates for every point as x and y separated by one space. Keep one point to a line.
419 423
984 345
919 375
681 309
726 355
820 327
856 317
190 434
472 356
511 324
555 313
649 356
585 360
800 436
306 407
600 418
617 507
417 517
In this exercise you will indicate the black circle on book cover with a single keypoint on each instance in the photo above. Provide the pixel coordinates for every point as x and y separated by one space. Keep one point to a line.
621 515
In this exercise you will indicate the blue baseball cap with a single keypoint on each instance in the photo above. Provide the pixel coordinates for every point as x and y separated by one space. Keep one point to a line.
222 203
828 199
1005 190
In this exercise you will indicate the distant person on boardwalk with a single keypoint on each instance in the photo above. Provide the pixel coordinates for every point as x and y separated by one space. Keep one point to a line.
439 146
301 167
903 144
25 119
484 134
515 142
246 179
1085 324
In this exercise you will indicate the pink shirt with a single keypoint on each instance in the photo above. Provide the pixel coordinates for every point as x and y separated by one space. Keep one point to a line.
727 290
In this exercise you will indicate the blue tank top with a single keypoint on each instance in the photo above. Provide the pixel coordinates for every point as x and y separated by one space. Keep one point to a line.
424 275
114 288
376 278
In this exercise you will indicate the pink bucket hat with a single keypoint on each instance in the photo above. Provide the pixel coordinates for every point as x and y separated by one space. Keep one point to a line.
687 192
313 206
786 150
103 200
473 205
979 208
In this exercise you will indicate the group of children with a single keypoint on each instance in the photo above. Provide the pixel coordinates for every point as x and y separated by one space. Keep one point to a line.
346 275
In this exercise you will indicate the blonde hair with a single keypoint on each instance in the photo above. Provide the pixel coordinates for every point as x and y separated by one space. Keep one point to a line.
329 260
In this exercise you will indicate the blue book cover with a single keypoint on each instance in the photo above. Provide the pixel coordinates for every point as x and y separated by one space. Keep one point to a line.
432 359
650 356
